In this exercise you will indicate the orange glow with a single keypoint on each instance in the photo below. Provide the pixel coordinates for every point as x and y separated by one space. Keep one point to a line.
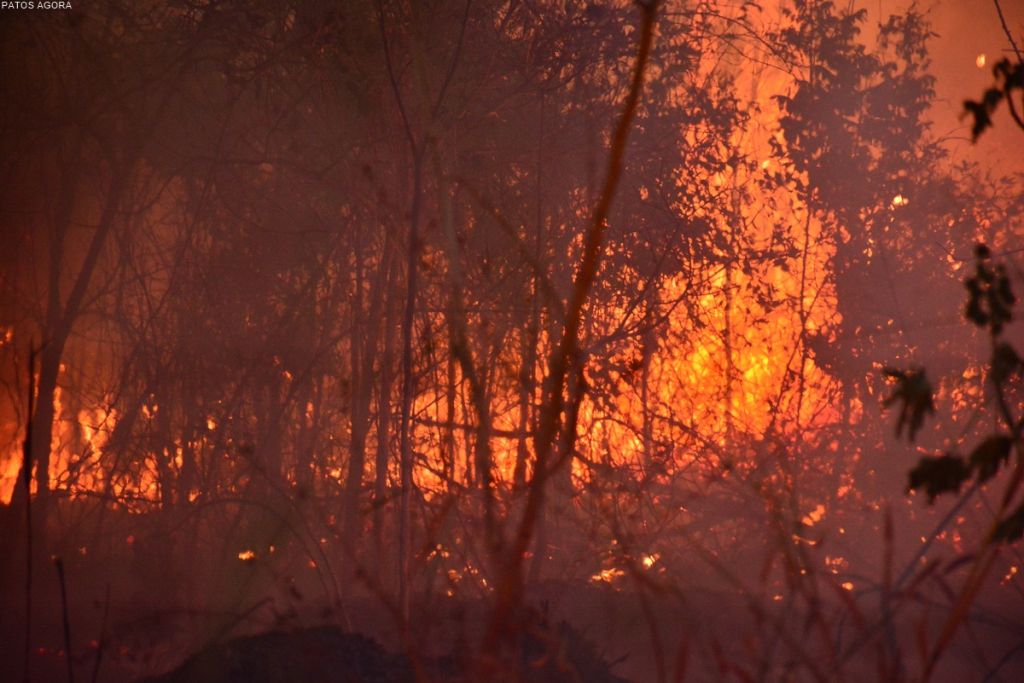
814 516
411 314
729 374
609 575
10 466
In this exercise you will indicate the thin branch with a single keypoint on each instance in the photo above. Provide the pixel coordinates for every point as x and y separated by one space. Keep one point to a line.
59 563
510 586
1006 30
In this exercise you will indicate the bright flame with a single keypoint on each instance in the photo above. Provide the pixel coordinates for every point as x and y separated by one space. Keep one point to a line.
607 575
814 516
10 466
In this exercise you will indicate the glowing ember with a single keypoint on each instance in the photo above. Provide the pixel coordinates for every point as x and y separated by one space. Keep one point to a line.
814 516
1012 572
609 575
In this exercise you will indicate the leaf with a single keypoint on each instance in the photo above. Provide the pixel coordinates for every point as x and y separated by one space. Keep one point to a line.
974 312
991 297
938 475
981 115
989 456
1011 528
914 392
1005 362
1009 77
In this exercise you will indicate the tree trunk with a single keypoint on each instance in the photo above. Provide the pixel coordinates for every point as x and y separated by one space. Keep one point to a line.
366 331
383 421
405 445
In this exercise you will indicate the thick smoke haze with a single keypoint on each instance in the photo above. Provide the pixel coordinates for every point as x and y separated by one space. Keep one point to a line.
511 340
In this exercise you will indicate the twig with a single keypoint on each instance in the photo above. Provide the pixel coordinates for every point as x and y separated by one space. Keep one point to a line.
1006 30
101 642
64 615
1010 654
26 471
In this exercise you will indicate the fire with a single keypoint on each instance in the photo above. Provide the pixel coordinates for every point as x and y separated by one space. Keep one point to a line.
731 370
10 466
78 444
736 367
609 575
814 516
234 383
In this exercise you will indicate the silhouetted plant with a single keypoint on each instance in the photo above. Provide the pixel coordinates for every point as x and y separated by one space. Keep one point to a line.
914 394
989 307
1009 77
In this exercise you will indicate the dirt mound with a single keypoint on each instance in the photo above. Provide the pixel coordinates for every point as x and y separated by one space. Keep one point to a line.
318 655
328 655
